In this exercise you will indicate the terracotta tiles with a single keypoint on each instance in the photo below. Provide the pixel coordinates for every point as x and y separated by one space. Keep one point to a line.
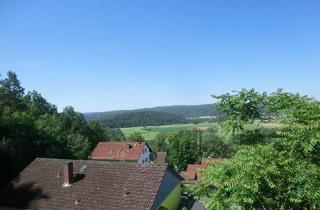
193 170
161 157
118 150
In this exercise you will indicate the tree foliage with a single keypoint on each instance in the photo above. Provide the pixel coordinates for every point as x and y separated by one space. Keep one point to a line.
214 145
260 177
190 146
161 142
31 127
243 107
136 136
184 148
280 174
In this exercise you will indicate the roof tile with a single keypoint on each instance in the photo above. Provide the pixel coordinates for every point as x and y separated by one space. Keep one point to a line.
101 185
118 150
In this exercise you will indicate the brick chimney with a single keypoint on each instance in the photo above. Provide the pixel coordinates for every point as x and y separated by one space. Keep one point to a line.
67 174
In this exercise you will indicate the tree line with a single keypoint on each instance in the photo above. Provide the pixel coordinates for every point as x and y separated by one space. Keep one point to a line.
32 127
187 111
142 118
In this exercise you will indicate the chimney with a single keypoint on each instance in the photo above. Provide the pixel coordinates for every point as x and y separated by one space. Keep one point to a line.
67 173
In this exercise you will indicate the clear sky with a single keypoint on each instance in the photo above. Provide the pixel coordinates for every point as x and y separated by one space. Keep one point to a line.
108 55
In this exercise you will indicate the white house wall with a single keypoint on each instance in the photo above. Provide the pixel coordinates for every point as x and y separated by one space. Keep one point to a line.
145 156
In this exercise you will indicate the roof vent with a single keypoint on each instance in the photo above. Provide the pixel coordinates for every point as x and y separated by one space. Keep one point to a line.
82 168
77 202
126 192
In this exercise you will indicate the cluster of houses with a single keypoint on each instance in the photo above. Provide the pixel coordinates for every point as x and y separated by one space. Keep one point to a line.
118 175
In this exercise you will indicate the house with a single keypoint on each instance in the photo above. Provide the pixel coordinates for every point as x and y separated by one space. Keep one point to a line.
139 152
193 172
57 184
190 176
161 157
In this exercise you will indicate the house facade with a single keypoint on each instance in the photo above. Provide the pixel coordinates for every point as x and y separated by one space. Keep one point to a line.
146 154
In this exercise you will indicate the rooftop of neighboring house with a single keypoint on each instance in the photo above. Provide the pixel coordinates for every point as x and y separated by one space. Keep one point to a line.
161 157
84 184
193 171
118 150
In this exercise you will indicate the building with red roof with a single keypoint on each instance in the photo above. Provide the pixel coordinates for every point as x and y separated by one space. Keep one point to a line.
139 152
161 157
193 171
54 184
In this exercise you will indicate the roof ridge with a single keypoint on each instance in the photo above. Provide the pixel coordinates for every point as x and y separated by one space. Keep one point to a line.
109 162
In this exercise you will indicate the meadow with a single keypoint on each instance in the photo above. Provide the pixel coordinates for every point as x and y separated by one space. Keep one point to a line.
150 132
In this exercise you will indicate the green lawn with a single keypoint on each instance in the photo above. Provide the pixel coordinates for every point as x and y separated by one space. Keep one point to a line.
150 132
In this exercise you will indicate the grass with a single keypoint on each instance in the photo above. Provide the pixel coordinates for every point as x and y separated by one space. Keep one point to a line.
150 132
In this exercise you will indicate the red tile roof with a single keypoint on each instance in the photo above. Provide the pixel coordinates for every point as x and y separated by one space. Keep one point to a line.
118 150
161 157
100 185
193 170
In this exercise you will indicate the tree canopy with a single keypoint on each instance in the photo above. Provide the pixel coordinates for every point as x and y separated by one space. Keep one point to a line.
184 148
280 174
32 127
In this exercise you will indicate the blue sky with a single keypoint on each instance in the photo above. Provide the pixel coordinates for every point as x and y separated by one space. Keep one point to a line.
108 55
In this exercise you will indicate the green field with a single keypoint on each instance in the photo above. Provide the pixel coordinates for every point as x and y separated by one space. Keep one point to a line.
150 132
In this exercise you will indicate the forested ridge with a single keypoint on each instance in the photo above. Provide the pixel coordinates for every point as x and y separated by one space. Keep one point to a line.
142 118
187 111
32 127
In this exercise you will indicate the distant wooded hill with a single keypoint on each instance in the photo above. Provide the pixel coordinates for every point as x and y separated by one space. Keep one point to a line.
163 115
142 118
187 111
